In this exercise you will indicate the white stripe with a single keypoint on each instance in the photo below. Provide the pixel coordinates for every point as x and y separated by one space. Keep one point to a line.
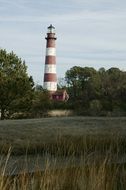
50 51
50 68
50 86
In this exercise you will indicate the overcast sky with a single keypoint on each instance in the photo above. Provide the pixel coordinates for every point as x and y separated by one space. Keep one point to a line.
89 33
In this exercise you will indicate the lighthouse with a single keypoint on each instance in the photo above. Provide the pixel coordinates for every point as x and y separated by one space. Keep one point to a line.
50 77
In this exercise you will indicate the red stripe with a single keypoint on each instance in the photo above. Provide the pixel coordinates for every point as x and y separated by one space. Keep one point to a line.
50 43
50 77
50 60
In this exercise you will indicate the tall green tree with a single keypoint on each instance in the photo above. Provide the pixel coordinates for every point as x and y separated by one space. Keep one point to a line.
96 91
83 83
16 87
113 88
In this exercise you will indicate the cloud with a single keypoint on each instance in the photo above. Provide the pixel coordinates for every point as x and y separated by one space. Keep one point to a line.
69 17
89 32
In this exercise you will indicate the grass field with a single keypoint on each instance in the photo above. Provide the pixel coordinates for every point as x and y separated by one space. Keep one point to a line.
80 132
96 147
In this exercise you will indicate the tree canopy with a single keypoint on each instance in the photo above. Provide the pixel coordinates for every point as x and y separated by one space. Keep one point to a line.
15 84
102 90
91 92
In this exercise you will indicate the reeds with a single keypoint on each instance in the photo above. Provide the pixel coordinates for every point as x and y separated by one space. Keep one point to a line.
91 177
94 164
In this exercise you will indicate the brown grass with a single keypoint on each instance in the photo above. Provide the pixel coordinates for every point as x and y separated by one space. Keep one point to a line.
100 176
95 145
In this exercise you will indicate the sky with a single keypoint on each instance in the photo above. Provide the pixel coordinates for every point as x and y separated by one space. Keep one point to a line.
90 33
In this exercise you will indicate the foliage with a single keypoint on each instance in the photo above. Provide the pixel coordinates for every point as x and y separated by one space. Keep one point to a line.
91 92
41 102
102 90
16 87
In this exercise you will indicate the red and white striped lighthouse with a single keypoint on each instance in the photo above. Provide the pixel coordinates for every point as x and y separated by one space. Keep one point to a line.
50 78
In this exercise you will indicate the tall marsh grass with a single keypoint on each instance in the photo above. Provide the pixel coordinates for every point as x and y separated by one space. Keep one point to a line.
95 148
88 177
95 167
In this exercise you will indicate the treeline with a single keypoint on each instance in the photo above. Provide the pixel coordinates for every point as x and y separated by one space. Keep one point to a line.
19 96
91 92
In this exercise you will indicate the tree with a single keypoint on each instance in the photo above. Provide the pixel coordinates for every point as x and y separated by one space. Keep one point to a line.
113 88
41 102
16 86
61 83
83 84
95 91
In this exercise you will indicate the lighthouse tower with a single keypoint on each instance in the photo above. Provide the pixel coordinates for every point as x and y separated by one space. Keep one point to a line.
50 78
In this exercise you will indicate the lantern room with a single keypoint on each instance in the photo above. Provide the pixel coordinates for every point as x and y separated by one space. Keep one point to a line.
51 29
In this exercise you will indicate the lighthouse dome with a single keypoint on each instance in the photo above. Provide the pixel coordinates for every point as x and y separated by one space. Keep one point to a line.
51 29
